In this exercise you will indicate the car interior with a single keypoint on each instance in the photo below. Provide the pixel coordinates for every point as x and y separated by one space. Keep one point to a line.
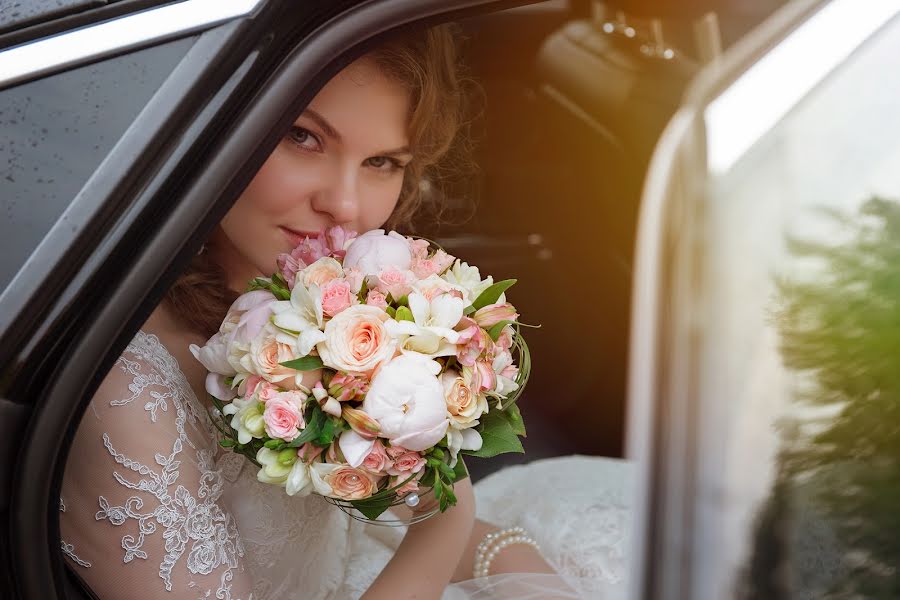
574 96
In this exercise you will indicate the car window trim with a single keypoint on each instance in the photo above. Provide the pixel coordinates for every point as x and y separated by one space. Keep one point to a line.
46 56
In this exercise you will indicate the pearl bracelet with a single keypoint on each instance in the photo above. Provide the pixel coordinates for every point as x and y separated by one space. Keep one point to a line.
494 542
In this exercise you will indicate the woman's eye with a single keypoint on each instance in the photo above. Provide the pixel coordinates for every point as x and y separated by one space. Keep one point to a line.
385 163
304 138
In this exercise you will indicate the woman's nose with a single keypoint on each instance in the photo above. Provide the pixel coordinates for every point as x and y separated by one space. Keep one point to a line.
339 199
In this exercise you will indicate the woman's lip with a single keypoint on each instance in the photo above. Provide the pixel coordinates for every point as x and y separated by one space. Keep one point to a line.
300 235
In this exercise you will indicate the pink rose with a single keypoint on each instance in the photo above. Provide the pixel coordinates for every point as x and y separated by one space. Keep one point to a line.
377 299
349 483
283 417
394 282
377 461
336 297
406 464
266 391
356 340
407 488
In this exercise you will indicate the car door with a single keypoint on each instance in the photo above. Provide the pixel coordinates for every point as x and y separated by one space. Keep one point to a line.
199 92
764 413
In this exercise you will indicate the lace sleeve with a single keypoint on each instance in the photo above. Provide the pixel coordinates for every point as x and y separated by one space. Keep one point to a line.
140 507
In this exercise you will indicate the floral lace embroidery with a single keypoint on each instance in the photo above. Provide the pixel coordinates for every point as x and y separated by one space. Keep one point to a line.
69 549
193 525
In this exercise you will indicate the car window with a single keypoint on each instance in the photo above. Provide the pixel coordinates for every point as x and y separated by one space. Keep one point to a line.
57 130
799 397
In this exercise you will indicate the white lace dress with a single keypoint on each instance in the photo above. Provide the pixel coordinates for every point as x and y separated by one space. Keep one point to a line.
151 507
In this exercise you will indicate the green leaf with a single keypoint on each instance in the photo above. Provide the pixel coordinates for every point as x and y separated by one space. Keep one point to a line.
275 444
460 471
372 508
446 471
492 294
514 417
363 291
313 427
306 363
404 314
497 436
428 478
497 329
226 443
326 436
391 311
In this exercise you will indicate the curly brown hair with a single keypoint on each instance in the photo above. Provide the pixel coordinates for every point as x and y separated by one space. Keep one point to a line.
426 63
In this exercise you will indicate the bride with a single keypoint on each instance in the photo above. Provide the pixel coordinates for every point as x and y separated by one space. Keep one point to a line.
152 507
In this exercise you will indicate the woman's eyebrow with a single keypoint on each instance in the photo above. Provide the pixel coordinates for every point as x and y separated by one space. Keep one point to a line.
333 133
323 123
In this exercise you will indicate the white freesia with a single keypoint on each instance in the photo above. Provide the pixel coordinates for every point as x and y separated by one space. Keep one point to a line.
247 418
317 473
271 469
407 400
431 333
302 314
355 447
468 278
299 480
462 439
373 251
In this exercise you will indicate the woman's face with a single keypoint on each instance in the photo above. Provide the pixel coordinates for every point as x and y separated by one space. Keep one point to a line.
342 163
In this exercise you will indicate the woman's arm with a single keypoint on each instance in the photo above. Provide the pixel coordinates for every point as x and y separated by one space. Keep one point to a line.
429 554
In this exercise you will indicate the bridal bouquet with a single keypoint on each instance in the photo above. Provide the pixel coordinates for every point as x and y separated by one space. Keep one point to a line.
364 368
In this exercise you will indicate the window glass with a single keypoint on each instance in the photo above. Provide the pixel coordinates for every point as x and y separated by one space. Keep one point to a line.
57 130
799 388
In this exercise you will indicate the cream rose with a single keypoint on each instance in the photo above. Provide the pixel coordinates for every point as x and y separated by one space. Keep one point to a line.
266 353
342 481
407 400
465 402
356 340
321 272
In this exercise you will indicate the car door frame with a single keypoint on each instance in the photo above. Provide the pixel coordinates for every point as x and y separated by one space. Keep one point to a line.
128 261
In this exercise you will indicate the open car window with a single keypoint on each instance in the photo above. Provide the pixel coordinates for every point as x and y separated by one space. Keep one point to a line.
776 408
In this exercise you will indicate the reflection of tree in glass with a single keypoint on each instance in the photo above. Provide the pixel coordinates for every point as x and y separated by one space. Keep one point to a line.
843 330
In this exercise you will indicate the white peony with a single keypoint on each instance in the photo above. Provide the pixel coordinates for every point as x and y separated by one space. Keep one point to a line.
407 400
374 252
